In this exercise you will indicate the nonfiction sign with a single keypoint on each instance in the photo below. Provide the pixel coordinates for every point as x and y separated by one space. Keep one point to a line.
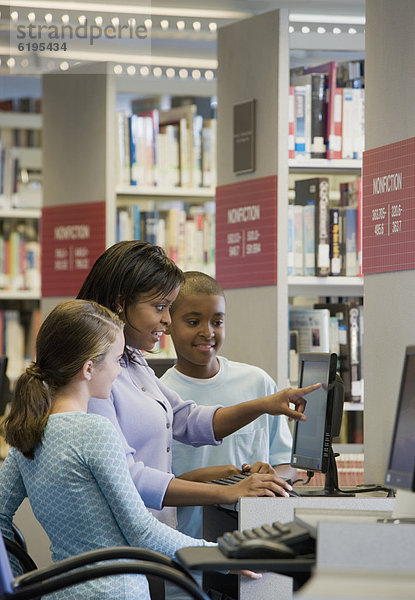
246 233
73 236
389 208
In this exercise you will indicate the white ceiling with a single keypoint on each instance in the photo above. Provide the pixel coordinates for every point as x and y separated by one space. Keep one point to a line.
168 47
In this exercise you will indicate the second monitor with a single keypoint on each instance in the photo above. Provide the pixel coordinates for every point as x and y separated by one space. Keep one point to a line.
312 440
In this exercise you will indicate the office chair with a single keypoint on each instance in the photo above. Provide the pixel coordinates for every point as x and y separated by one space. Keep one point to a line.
69 572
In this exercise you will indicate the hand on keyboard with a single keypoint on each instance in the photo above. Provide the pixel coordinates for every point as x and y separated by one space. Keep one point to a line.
256 484
279 540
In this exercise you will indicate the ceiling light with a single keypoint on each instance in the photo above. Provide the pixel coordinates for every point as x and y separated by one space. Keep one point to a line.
24 62
31 17
352 30
291 29
65 19
336 30
209 75
134 9
48 18
183 73
99 21
14 15
82 19
305 29
170 72
131 70
196 74
144 71
164 24
213 27
118 69
349 20
115 21
197 26
148 23
131 22
11 62
180 25
64 66
321 29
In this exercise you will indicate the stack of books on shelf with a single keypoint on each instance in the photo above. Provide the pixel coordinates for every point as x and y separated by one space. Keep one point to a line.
19 255
331 327
187 233
20 180
325 236
166 148
326 111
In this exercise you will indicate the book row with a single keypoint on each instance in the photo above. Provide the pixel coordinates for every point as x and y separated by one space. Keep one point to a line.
166 148
187 233
19 256
21 137
330 327
324 235
326 119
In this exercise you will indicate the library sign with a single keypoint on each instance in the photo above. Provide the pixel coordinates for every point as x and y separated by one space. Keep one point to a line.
246 233
73 236
389 208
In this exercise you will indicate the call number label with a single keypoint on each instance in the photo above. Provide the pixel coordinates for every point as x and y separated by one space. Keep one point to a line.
387 219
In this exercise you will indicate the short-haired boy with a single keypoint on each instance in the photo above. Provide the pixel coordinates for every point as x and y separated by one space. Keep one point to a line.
198 333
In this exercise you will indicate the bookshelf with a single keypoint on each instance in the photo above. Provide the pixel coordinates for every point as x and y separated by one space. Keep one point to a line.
78 173
20 215
253 58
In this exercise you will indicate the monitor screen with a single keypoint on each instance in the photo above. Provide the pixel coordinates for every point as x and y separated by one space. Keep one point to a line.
312 438
401 466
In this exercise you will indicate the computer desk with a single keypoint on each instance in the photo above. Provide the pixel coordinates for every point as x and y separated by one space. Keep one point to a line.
252 512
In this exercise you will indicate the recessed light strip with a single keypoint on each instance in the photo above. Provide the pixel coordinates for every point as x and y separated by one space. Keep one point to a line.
340 19
131 9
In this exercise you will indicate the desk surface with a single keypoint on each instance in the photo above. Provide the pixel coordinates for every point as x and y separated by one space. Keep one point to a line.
212 559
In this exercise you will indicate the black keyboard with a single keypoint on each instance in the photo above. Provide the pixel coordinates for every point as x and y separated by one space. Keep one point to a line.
231 479
279 540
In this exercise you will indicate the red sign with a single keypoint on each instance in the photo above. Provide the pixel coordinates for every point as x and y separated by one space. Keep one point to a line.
246 233
389 208
73 236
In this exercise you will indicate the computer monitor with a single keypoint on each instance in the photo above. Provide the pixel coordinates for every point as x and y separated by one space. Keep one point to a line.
4 385
312 448
400 470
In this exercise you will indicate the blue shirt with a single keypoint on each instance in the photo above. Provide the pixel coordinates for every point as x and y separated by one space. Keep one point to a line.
81 492
266 439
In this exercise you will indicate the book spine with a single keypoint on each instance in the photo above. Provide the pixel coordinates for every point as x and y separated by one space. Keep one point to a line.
290 230
354 345
335 249
331 92
309 242
301 142
298 240
318 115
291 122
323 229
351 254
335 139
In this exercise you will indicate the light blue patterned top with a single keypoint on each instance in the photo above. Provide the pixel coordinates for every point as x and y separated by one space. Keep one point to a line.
81 492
